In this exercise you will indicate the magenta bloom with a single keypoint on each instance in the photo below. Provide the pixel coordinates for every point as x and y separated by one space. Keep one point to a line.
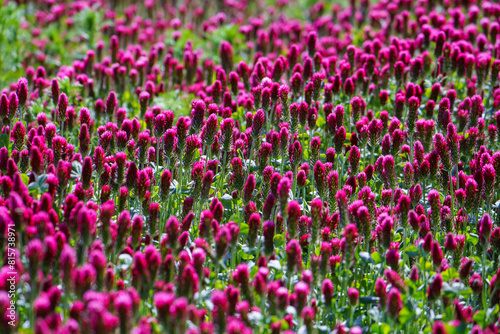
434 290
249 188
353 295
485 228
297 156
394 303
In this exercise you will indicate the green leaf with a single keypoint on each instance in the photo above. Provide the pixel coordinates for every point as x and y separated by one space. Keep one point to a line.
492 311
448 290
365 256
397 238
383 328
227 201
306 154
411 251
368 300
76 171
466 293
219 285
376 257
196 155
275 264
374 313
386 328
404 315
419 295
279 240
245 256
320 122
124 261
473 238
40 180
449 274
32 187
25 178
4 140
427 265
284 325
244 229
317 251
460 329
480 318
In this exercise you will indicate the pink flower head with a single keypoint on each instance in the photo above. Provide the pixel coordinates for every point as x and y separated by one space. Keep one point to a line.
353 295
485 227
294 213
394 303
434 289
253 230
62 107
249 188
226 54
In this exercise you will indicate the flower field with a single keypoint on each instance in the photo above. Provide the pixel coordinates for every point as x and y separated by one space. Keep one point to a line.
233 166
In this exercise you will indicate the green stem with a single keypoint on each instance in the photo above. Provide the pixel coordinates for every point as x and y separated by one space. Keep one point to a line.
221 180
259 245
483 262
392 200
282 165
157 154
410 158
344 284
405 256
180 173
423 192
452 193
372 155
233 256
351 315
250 158
209 153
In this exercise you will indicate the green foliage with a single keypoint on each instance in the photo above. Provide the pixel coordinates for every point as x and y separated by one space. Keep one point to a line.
13 41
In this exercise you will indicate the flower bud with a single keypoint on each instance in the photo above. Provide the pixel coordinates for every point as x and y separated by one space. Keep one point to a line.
434 289
294 212
319 178
249 188
394 303
253 225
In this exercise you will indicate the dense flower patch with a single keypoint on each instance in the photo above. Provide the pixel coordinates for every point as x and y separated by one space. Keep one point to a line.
236 168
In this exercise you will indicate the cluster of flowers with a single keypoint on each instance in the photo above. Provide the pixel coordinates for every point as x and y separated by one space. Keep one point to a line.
344 175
